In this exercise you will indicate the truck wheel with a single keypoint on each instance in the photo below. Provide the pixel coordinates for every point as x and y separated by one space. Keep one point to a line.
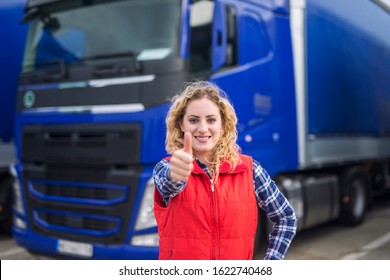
6 198
354 199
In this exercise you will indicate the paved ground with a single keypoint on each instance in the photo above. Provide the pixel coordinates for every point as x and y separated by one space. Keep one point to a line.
369 241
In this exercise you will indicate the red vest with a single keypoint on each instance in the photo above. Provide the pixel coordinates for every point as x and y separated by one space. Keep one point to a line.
200 223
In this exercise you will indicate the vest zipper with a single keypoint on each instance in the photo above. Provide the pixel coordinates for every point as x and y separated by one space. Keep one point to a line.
215 233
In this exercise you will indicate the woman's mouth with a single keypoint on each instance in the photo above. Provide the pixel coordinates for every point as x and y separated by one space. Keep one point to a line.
202 139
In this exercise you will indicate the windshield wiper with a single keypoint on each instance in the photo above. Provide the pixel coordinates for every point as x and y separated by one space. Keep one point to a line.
110 55
47 71
137 64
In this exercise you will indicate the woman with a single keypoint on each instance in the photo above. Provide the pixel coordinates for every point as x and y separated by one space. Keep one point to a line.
207 191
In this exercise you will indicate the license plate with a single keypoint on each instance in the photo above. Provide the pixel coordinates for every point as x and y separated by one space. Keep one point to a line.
75 248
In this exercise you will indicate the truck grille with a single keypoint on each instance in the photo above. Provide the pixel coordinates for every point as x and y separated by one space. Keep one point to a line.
86 144
79 224
77 191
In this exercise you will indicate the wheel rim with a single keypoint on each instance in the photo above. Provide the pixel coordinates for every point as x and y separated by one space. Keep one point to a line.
358 197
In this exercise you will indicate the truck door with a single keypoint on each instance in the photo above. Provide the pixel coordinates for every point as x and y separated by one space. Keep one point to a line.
229 61
245 66
219 36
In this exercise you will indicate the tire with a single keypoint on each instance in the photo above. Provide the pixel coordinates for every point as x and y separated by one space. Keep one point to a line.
6 198
355 186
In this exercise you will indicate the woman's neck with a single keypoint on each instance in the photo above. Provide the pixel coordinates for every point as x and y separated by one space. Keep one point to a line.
202 161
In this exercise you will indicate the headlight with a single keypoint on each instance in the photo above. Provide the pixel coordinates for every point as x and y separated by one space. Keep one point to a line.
145 218
145 240
19 223
18 202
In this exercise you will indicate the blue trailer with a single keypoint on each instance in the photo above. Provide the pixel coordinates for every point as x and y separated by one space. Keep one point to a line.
308 79
11 52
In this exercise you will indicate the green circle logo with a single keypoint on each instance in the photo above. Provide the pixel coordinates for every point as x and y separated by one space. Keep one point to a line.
29 99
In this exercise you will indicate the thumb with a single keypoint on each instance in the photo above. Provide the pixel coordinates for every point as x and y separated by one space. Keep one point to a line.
187 142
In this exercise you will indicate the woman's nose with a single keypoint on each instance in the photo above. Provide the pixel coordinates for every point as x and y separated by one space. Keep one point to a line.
202 127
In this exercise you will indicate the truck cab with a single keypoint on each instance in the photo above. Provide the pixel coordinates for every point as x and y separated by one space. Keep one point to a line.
92 98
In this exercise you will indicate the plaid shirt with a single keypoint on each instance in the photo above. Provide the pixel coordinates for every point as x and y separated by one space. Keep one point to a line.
268 197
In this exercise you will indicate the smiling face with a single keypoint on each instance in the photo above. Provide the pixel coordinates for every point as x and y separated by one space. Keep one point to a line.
203 120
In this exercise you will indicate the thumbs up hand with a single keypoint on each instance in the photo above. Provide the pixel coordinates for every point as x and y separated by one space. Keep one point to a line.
181 160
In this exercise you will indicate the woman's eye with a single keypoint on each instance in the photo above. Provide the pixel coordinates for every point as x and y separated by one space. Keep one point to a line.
192 120
211 120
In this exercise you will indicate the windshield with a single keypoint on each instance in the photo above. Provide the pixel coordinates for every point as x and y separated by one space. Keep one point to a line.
74 32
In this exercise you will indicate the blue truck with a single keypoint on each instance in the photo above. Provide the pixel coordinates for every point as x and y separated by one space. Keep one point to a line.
308 79
11 53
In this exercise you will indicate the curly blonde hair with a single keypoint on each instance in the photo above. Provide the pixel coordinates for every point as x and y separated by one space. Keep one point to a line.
226 148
